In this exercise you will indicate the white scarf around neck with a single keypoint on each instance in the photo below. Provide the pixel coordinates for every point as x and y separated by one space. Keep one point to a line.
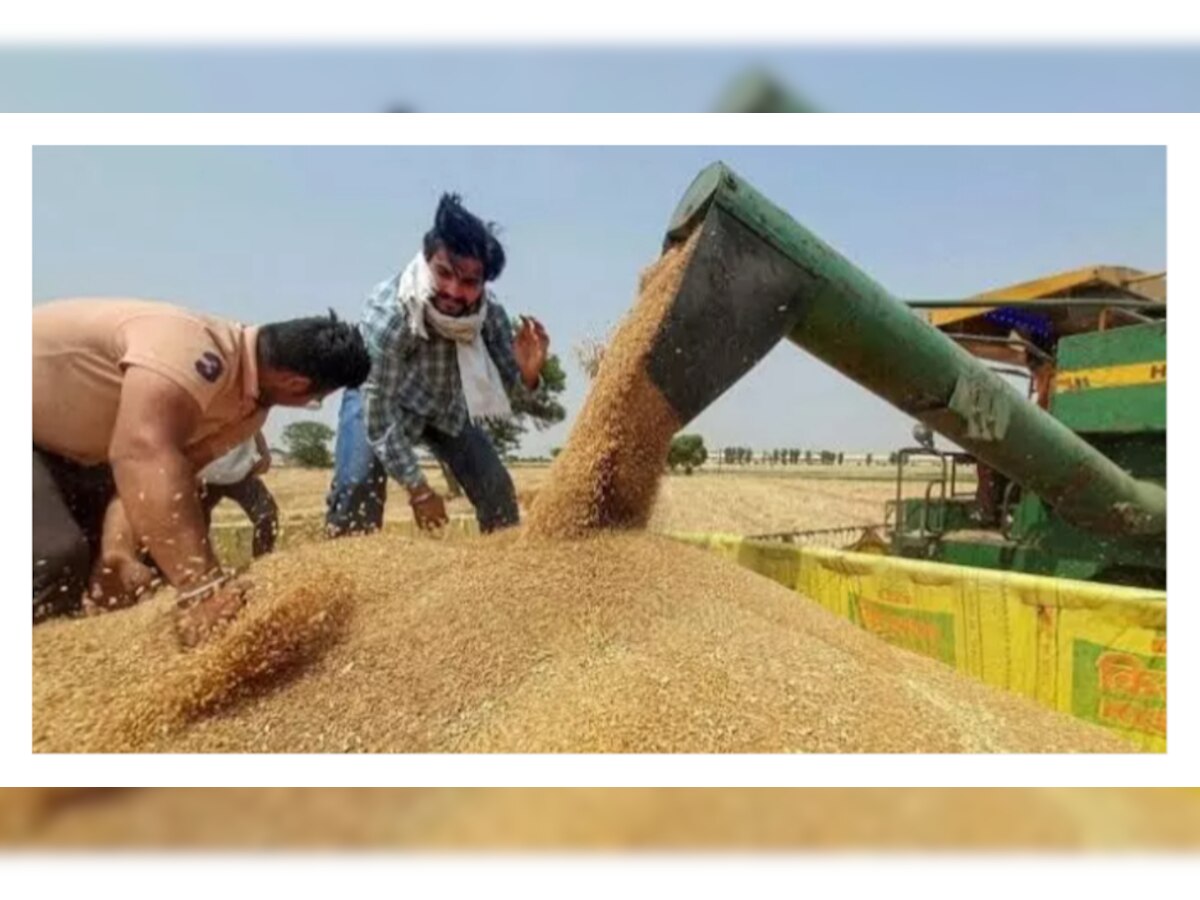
481 383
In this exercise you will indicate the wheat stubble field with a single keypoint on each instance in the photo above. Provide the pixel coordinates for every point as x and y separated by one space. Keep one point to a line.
729 502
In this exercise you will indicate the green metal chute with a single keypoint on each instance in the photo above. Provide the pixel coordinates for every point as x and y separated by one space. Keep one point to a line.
757 276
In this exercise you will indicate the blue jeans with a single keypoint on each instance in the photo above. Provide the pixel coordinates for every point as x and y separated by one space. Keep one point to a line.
359 491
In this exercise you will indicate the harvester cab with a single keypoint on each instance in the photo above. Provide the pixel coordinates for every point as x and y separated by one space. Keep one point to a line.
1090 345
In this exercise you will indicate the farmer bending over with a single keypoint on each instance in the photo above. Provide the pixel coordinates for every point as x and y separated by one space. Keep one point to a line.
132 399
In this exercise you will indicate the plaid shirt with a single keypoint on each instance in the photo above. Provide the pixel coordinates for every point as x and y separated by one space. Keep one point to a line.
414 383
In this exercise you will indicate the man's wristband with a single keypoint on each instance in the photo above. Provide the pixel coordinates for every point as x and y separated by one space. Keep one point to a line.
421 494
194 595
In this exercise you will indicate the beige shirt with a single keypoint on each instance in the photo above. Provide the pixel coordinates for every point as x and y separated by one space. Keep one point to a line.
81 349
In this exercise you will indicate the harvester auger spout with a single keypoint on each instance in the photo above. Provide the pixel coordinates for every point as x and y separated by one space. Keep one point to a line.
756 276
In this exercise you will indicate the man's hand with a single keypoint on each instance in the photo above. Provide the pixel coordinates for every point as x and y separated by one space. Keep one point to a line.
428 508
531 346
199 616
117 582
119 578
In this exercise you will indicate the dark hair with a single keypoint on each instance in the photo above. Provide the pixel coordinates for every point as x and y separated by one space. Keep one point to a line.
464 234
330 353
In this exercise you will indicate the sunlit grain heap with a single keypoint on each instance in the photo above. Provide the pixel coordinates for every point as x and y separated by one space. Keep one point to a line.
606 641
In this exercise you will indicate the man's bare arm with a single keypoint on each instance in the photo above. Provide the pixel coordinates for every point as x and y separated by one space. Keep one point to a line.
156 481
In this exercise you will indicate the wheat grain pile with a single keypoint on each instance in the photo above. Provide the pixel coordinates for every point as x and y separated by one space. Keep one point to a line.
607 818
617 642
116 682
579 634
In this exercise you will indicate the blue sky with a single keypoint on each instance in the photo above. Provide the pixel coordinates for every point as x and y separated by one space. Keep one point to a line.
261 234
600 79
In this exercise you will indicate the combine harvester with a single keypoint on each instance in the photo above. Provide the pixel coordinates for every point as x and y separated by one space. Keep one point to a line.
1046 579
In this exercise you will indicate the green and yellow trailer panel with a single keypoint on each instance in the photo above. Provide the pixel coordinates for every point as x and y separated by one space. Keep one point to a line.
1095 651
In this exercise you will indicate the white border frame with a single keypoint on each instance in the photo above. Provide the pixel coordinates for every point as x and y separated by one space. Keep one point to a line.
630 22
602 875
20 133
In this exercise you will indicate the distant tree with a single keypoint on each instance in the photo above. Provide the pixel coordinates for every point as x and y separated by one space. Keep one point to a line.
554 451
840 458
541 408
892 458
729 455
687 451
505 435
869 457
828 457
307 444
808 457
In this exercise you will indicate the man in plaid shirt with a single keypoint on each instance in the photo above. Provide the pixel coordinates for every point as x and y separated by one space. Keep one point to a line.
443 359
